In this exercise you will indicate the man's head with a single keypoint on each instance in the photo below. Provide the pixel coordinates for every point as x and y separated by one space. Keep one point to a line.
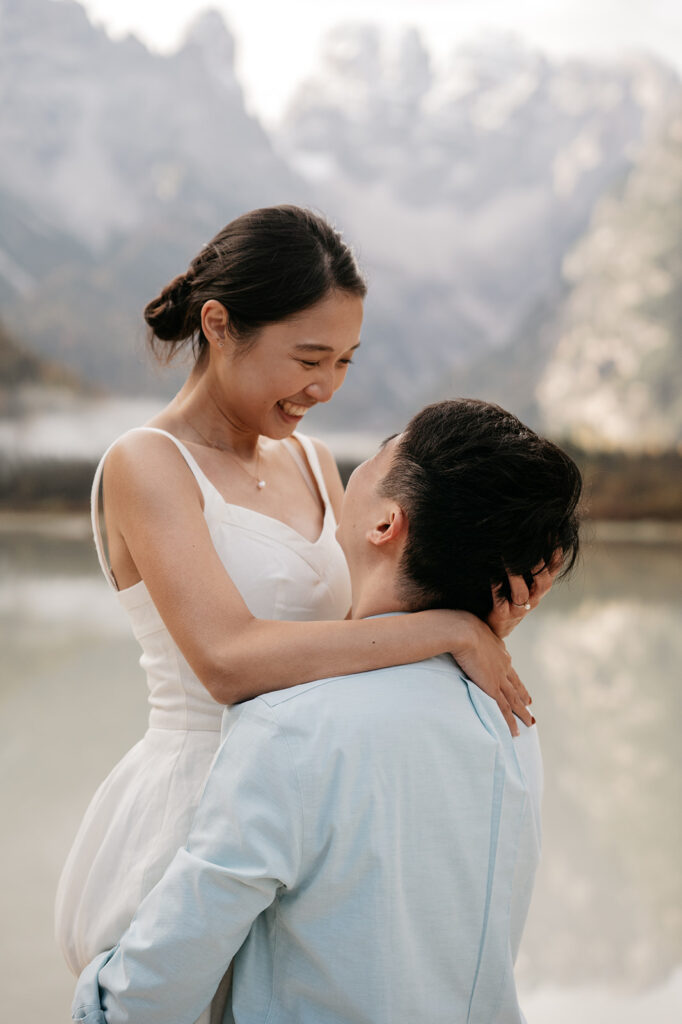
446 510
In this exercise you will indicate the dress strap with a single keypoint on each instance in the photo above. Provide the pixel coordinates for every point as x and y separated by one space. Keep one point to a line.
204 483
314 463
94 517
302 463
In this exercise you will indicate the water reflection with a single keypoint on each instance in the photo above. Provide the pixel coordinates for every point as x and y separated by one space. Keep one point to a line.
603 662
601 657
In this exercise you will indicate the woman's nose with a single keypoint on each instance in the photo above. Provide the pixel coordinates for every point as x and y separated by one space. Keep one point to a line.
322 388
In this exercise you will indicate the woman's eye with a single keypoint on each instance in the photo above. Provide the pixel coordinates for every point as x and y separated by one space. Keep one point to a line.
309 363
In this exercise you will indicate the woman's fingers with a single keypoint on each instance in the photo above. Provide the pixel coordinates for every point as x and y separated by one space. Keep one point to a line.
544 576
505 708
518 687
505 615
513 705
518 707
513 700
542 583
520 592
487 663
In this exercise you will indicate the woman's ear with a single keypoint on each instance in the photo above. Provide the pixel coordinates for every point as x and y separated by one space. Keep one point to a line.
391 529
215 322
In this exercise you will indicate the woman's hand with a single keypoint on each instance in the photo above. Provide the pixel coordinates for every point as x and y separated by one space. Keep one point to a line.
506 615
486 661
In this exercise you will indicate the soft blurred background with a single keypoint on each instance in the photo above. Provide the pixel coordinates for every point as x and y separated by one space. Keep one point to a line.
511 179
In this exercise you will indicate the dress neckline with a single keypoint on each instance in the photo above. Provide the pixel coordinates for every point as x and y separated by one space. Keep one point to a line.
244 509
127 593
237 511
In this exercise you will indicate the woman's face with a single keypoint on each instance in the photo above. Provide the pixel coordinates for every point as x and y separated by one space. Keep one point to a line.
292 365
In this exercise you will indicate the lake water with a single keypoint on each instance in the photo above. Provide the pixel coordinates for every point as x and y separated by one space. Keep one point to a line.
602 659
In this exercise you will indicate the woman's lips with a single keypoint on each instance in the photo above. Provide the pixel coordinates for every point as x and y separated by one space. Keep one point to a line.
292 409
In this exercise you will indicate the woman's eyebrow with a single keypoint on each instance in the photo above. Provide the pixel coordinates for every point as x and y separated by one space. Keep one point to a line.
311 346
385 442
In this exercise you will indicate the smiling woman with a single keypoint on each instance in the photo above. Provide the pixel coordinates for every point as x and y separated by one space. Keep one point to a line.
295 364
221 525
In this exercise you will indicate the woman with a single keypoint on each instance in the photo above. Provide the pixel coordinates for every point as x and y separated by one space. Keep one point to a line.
221 533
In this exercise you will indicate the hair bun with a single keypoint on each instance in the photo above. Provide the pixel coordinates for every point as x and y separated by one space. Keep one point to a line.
166 315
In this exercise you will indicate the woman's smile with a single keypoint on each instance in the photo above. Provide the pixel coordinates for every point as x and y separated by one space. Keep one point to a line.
292 410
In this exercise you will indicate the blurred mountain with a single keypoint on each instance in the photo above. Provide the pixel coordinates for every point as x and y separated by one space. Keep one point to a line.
100 137
27 381
463 185
615 374
600 365
117 165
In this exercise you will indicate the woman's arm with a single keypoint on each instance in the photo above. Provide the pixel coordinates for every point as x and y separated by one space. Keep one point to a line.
154 513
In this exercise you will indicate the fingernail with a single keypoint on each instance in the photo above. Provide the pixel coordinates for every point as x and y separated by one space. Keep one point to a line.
532 720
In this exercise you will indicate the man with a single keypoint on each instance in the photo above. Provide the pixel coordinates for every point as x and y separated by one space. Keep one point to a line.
365 846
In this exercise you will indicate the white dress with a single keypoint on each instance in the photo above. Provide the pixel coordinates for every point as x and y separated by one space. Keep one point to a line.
141 813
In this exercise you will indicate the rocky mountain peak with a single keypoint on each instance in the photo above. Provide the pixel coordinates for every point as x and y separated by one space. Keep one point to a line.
209 39
365 71
463 183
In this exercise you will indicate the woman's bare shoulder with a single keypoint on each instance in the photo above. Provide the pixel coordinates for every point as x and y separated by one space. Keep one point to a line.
146 461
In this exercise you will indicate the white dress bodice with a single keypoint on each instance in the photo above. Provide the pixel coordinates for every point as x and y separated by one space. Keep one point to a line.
279 573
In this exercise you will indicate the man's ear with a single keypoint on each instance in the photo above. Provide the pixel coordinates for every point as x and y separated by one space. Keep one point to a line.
391 528
215 322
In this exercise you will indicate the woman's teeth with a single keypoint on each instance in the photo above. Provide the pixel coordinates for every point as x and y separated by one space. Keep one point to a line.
293 410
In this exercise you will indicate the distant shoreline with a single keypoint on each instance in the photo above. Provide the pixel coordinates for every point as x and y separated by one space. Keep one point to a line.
619 488
48 458
76 526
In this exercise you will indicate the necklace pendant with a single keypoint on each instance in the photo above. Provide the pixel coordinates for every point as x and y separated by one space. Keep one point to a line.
260 484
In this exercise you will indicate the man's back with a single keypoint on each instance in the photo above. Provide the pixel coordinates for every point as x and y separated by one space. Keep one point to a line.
414 817
366 845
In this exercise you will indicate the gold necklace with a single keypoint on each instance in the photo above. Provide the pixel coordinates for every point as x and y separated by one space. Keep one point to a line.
260 483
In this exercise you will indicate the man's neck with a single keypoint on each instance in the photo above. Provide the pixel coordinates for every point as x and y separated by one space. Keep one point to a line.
376 596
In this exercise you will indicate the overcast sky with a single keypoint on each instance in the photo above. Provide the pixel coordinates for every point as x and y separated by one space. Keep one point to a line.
278 40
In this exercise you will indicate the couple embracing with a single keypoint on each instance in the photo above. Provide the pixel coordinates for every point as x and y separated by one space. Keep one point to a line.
360 842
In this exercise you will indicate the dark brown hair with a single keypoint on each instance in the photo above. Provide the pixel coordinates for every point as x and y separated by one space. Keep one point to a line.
264 267
484 496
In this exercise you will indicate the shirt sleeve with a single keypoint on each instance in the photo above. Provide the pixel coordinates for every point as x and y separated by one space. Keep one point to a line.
244 845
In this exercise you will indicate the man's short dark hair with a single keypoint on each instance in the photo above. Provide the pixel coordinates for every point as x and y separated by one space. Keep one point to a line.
485 497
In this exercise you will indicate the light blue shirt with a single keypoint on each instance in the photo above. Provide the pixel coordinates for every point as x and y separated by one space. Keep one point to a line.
365 846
